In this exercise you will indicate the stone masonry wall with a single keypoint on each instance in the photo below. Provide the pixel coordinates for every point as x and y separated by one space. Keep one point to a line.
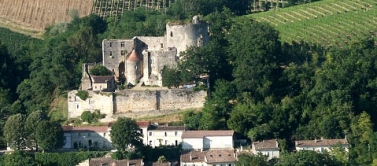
136 103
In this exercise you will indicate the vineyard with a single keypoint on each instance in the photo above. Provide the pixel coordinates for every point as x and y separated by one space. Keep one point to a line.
107 8
327 23
13 40
33 16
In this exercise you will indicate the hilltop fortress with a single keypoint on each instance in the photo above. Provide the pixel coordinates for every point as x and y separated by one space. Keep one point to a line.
139 61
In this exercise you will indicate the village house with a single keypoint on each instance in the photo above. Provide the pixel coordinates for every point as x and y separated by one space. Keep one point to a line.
207 139
321 145
87 137
209 157
268 148
104 161
165 135
103 83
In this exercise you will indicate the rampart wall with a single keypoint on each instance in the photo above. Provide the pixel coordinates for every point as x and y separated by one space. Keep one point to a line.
135 103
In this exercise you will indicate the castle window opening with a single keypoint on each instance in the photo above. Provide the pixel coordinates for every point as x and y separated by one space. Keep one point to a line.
111 44
122 44
123 52
162 45
171 34
111 53
77 106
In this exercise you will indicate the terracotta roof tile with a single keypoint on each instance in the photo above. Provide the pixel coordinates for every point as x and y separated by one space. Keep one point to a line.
167 128
266 144
85 129
209 156
112 162
203 133
101 79
321 142
133 56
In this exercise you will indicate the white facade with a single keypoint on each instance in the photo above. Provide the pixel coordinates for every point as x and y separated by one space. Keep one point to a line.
322 145
268 148
207 139
165 135
87 137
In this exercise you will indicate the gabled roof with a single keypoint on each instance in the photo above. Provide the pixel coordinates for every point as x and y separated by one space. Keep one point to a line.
112 162
321 142
101 79
209 156
206 133
169 128
85 129
266 145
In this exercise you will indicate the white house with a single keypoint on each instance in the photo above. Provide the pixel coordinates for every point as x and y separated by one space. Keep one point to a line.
87 137
269 148
209 158
207 139
321 145
165 135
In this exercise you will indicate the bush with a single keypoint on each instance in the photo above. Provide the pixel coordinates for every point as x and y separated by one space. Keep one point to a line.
90 117
65 159
99 70
82 94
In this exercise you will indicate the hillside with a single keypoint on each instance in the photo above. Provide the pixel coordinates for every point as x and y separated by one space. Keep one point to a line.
32 17
328 22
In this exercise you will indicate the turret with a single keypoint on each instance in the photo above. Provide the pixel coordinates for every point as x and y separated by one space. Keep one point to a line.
134 67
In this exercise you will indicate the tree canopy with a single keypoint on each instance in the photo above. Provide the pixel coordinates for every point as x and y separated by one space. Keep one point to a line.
125 133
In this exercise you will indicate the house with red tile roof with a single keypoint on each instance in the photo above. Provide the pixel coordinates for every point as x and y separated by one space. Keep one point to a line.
268 148
321 145
207 139
208 158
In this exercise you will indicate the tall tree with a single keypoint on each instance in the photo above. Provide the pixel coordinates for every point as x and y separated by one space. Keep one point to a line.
14 132
255 54
31 125
125 133
49 135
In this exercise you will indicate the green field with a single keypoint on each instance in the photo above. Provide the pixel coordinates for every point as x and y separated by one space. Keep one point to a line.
327 23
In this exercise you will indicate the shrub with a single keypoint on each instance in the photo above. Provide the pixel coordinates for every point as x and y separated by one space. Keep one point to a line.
65 159
90 117
99 70
82 94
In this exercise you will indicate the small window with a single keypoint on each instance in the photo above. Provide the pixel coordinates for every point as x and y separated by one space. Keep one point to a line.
166 142
166 134
77 106
111 53
104 134
122 44
171 34
150 133
230 165
111 44
162 45
122 52
150 142
175 133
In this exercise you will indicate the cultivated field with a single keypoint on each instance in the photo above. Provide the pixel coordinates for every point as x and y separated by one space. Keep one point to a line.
33 16
327 22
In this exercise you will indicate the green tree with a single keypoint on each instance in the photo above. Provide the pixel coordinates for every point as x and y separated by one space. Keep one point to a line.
170 77
191 119
306 158
19 158
256 55
14 132
252 160
31 125
125 133
99 70
49 135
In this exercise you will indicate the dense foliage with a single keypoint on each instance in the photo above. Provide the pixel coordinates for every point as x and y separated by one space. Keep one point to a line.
259 86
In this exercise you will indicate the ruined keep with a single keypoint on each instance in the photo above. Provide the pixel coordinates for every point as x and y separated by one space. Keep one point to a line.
142 58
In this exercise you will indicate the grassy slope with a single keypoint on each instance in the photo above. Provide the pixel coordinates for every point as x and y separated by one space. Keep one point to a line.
327 22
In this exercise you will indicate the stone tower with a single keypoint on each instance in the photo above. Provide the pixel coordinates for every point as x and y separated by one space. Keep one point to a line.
182 36
134 67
